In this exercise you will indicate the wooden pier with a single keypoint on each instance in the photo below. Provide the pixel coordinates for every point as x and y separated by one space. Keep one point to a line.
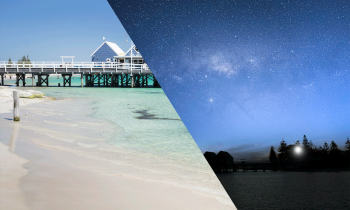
255 166
96 74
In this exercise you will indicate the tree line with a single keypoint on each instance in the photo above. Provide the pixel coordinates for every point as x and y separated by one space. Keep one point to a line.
328 154
23 60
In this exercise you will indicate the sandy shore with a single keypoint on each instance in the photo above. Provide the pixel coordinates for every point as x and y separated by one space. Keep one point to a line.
34 175
11 196
6 100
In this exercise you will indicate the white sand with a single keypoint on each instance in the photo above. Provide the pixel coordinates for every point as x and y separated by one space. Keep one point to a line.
6 100
35 176
11 170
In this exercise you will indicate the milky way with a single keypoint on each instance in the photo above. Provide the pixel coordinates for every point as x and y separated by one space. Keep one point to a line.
245 74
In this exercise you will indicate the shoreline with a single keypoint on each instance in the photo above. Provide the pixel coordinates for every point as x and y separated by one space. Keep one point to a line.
45 154
321 170
6 99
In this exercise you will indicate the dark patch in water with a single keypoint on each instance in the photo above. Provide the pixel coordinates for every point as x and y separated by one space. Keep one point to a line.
145 92
147 116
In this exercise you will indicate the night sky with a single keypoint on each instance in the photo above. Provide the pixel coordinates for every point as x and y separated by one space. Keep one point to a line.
242 75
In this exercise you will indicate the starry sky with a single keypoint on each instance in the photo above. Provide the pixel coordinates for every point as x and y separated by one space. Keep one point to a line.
243 74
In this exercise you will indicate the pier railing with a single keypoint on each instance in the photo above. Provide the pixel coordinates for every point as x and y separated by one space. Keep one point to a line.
77 67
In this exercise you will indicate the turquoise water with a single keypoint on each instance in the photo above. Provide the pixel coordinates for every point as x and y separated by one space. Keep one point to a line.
162 134
160 130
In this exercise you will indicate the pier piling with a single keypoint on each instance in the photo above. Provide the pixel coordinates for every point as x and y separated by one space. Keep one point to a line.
32 80
16 116
132 81
82 80
39 80
20 77
67 80
42 79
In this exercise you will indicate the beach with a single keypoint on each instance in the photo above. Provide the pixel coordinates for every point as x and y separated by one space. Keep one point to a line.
67 154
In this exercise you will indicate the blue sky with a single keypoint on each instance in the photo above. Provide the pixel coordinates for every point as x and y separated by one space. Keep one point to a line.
46 30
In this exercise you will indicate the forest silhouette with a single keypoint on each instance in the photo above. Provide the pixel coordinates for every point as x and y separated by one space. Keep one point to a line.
298 156
310 156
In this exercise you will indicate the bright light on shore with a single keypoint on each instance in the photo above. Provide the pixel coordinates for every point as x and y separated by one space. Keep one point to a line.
298 150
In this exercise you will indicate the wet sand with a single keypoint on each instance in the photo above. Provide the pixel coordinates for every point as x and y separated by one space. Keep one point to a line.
39 175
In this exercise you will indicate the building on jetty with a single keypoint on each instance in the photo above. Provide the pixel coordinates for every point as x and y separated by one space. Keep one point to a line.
106 52
222 162
131 56
211 158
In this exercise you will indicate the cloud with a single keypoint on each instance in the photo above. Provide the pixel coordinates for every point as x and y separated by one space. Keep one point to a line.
251 152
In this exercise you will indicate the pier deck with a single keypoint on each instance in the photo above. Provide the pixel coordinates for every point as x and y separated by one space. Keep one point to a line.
100 74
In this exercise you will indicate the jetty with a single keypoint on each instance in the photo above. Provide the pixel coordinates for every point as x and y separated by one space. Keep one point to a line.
96 74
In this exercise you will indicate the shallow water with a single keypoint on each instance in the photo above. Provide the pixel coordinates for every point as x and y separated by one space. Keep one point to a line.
288 190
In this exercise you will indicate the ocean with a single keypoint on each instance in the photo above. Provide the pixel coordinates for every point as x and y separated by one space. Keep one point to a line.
131 132
288 190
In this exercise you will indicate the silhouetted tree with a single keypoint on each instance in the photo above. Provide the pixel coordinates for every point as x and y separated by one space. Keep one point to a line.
347 144
324 150
297 142
282 149
306 143
312 149
334 146
319 151
312 146
307 147
347 151
334 151
326 147
272 156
